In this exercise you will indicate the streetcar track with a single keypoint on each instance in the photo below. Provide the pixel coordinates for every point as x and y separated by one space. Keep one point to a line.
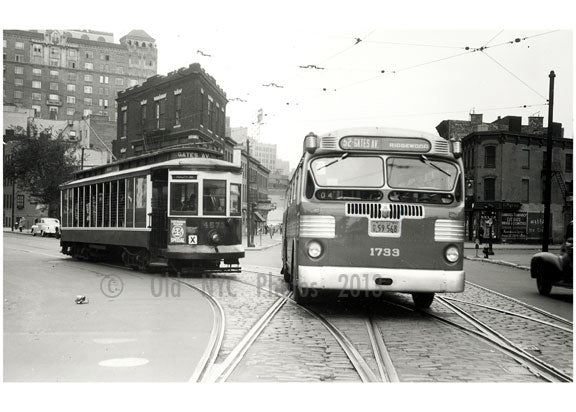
519 302
539 367
519 315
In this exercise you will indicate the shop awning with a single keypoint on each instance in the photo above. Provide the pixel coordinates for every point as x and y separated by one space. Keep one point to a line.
259 217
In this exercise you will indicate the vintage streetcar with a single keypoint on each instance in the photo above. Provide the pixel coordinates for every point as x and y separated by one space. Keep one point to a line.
376 209
178 208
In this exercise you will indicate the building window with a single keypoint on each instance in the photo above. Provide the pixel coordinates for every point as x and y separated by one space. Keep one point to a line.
177 108
89 55
525 191
36 96
18 70
104 79
71 87
210 109
120 70
143 108
37 49
70 111
19 45
53 113
87 112
160 108
55 63
124 122
54 97
37 72
20 201
19 82
53 86
36 84
87 77
37 110
202 106
71 76
103 103
489 188
87 101
71 64
490 156
54 73
119 81
525 158
568 167
89 66
17 94
18 58
71 52
71 99
88 89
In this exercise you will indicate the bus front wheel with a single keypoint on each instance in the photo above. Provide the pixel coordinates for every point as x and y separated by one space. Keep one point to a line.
422 300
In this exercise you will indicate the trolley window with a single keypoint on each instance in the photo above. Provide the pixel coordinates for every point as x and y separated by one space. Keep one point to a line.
214 197
420 173
184 199
235 200
348 171
130 202
140 202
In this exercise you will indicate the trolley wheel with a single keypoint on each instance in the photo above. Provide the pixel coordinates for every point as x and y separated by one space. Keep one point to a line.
33 233
422 300
286 273
42 233
143 260
544 284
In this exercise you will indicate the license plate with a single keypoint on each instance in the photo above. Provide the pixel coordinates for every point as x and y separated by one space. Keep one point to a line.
385 227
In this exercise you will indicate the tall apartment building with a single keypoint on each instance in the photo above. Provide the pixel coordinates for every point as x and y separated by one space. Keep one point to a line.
71 74
504 164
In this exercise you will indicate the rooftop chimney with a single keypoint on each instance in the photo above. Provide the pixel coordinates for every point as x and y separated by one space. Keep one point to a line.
475 118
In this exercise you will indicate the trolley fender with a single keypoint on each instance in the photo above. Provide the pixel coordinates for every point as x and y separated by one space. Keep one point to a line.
550 261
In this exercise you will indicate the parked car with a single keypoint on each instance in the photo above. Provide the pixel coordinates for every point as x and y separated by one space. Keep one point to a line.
46 226
554 270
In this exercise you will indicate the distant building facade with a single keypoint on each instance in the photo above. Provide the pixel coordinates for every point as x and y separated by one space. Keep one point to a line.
185 107
504 164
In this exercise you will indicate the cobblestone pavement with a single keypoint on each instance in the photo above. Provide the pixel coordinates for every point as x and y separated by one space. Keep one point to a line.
552 345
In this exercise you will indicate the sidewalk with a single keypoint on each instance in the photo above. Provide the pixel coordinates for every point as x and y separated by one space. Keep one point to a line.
513 255
262 242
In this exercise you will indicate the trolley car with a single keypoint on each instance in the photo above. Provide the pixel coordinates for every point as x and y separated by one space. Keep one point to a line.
177 208
376 209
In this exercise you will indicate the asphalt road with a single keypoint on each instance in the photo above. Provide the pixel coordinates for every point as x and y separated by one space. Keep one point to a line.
142 334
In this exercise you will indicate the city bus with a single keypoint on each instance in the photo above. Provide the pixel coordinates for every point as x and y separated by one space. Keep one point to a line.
375 210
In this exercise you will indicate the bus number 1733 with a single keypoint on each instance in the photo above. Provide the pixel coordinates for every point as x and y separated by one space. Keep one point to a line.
378 251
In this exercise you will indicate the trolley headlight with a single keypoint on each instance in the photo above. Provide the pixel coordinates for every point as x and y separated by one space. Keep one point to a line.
215 238
314 249
452 254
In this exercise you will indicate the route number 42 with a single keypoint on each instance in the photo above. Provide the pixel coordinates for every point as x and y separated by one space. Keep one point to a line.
378 251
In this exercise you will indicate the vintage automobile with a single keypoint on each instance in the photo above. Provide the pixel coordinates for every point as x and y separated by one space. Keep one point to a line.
46 226
554 270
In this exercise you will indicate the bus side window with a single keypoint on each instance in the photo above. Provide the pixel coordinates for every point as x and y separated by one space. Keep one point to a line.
309 186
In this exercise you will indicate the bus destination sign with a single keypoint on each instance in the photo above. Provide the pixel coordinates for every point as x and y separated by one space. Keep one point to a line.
389 144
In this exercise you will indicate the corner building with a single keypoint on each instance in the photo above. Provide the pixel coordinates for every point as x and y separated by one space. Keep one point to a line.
505 165
185 107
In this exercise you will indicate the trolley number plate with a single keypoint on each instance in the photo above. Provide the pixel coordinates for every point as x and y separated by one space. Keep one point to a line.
391 227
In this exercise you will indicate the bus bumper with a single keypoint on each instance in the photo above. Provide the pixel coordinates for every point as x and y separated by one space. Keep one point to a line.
393 280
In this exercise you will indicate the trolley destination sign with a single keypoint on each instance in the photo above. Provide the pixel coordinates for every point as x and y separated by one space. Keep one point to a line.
391 144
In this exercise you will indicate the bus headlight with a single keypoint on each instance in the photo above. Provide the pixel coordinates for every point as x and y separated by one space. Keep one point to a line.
452 254
314 249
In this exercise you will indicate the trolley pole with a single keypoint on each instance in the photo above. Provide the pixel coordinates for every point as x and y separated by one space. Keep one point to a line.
548 187
249 222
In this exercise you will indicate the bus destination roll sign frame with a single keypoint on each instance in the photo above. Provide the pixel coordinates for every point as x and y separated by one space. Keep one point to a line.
391 144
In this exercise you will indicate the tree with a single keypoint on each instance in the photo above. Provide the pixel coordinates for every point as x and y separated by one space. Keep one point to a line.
39 165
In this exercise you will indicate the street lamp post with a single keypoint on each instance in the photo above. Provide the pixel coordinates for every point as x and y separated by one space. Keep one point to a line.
249 220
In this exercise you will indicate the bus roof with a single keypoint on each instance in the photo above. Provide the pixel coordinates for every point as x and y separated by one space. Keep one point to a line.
381 132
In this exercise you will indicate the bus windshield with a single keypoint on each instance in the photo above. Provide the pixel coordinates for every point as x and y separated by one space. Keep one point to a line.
348 171
420 173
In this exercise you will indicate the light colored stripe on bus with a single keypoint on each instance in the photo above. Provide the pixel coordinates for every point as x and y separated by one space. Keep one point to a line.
318 226
446 230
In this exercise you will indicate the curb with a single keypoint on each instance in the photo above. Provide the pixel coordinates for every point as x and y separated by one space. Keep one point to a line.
498 262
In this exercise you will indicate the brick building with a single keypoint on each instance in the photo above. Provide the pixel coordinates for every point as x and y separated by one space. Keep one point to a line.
505 167
71 74
184 107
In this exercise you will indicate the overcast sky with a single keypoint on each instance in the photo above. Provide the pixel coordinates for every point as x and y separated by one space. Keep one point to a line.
409 66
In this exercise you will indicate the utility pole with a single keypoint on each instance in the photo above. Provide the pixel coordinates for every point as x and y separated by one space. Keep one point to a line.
249 221
548 187
82 160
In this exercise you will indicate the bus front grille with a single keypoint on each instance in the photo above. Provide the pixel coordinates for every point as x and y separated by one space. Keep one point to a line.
384 211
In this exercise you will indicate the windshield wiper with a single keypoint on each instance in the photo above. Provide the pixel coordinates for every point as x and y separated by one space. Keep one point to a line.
425 160
344 156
